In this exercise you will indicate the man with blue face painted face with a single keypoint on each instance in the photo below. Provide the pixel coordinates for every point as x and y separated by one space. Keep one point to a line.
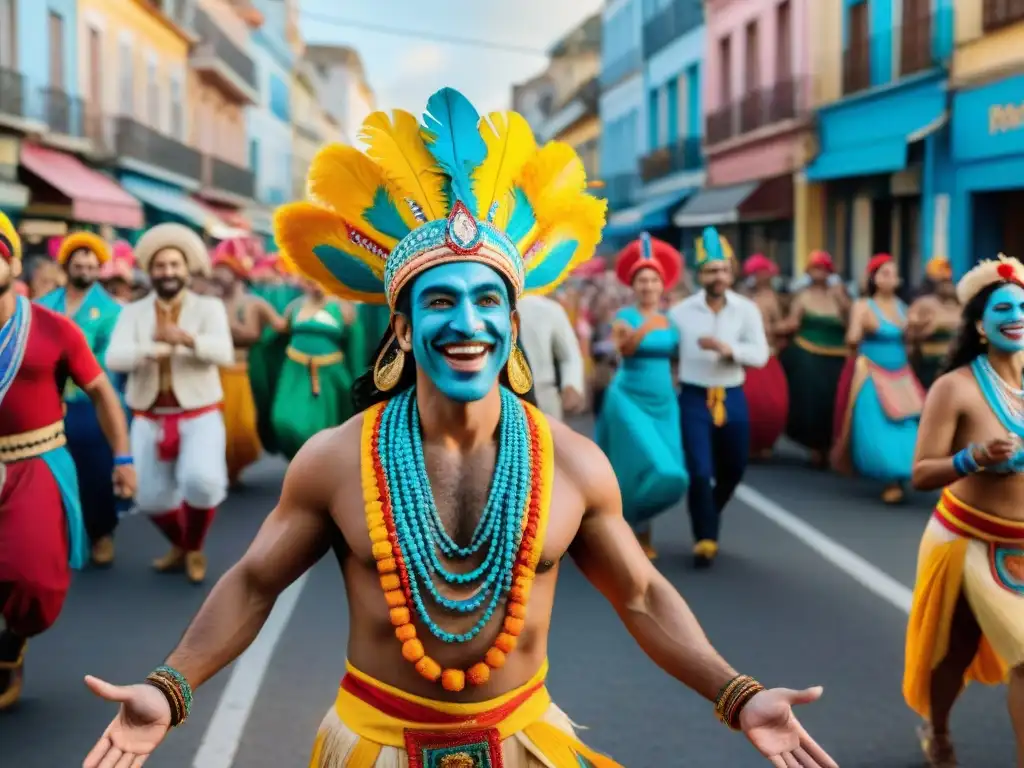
469 497
967 618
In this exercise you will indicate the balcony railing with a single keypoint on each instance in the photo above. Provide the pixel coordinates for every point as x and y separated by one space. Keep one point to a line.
921 46
12 93
757 109
619 69
722 124
222 176
996 14
671 23
620 188
141 143
214 44
62 113
684 155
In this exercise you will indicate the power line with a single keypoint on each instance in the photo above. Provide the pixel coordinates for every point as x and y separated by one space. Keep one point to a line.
429 36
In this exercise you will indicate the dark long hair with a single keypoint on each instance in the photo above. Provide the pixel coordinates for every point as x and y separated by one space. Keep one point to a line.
365 392
967 344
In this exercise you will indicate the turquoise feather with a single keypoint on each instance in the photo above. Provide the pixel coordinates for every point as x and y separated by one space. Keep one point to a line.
348 269
712 245
452 132
522 218
552 266
383 215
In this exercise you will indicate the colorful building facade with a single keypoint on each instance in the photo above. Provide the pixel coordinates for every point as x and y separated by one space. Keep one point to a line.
986 168
312 125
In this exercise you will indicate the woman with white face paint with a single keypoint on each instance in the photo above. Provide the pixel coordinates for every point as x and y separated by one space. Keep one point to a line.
967 617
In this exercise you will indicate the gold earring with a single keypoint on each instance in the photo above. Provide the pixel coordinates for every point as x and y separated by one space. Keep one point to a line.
520 378
387 374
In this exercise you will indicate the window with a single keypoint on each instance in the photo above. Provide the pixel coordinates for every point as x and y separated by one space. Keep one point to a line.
95 68
672 111
784 50
752 73
725 61
152 95
8 34
254 155
127 96
280 98
693 101
857 59
652 120
56 41
177 108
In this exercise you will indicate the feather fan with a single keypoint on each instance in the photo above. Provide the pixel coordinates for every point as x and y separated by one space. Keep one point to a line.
452 132
396 144
316 240
552 180
352 185
510 144
564 243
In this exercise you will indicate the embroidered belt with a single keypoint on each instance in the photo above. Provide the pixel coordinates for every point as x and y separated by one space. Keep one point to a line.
314 363
820 349
27 445
169 421
1005 538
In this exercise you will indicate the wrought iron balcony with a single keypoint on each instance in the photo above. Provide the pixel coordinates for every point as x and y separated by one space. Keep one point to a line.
722 124
138 142
224 177
684 155
767 106
12 93
217 56
671 23
620 189
62 113
619 69
996 14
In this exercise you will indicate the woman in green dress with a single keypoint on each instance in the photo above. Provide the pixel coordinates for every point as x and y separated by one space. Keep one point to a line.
936 313
324 356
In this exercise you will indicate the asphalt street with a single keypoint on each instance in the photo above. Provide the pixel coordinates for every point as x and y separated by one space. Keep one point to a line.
772 604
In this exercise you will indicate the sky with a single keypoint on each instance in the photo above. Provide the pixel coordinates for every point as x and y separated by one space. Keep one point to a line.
404 71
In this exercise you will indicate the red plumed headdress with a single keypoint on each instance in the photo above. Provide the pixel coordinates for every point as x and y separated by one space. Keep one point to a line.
648 252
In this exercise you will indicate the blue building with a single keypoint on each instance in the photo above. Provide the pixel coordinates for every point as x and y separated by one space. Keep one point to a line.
269 121
884 144
651 112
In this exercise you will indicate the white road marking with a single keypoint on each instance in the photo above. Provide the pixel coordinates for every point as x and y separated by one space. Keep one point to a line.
869 576
224 734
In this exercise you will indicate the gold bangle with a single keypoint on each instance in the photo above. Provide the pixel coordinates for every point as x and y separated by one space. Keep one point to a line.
726 692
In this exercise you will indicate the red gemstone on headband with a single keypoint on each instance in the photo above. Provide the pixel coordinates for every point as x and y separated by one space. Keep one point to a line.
1005 271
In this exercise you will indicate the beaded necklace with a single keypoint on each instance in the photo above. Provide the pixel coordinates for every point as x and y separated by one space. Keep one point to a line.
409 538
1006 401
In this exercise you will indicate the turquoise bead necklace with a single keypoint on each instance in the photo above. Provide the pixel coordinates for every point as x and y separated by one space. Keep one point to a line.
421 535
1007 402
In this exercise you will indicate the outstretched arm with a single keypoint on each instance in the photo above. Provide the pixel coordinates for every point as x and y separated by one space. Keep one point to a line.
655 614
290 541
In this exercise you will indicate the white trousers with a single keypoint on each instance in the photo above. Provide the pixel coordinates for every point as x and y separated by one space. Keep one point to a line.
199 476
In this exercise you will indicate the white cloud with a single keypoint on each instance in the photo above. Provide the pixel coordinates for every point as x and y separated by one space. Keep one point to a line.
422 61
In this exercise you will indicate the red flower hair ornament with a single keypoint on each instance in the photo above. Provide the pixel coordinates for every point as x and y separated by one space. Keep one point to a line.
648 252
998 270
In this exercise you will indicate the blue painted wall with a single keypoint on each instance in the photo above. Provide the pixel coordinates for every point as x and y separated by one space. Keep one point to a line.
621 106
620 38
33 43
268 121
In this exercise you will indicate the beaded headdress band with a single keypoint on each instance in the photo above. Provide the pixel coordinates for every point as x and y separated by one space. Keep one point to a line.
998 270
458 188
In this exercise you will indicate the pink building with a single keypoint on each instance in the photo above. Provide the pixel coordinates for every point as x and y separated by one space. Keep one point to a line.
757 99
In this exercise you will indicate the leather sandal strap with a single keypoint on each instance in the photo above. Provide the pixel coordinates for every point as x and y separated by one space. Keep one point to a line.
13 666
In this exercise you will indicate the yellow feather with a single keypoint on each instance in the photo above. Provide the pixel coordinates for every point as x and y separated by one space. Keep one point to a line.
345 180
396 144
510 144
301 227
551 180
9 231
583 220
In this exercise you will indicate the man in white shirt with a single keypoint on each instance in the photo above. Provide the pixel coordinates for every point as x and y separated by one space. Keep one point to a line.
553 350
720 332
171 344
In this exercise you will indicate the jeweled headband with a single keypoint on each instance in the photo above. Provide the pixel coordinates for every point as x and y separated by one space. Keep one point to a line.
458 188
998 270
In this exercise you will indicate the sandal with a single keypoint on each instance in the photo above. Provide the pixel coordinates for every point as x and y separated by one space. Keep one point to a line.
938 749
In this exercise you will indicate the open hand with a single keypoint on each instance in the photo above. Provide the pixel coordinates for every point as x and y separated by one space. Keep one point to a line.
768 721
995 451
140 725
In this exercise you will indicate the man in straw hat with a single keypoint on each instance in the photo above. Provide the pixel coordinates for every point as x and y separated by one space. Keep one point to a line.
967 616
42 535
469 496
171 344
82 299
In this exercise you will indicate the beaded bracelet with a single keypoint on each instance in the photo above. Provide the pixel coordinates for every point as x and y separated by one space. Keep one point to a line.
733 697
964 462
175 688
123 461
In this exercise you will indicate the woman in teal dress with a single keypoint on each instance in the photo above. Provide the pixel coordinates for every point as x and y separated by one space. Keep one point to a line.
638 426
323 358
879 401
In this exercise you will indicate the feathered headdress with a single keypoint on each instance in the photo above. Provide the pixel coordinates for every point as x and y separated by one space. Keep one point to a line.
83 241
649 253
10 240
458 188
711 246
998 270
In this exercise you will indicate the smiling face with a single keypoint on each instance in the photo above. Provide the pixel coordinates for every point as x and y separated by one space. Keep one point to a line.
1002 322
648 287
461 328
169 273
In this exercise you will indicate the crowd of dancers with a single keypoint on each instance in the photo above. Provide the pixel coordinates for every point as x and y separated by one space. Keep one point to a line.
402 341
